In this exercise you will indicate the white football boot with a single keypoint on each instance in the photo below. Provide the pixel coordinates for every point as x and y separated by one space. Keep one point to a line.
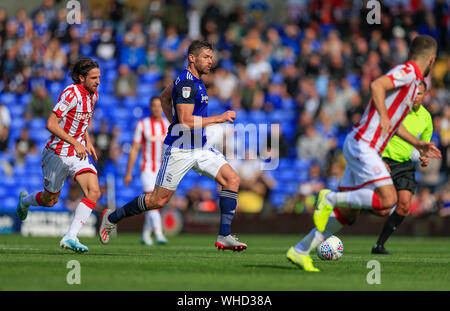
106 227
230 242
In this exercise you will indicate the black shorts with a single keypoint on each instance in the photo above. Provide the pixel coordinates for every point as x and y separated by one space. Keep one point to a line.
403 174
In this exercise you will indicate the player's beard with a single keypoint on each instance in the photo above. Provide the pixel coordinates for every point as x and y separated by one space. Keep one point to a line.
92 89
427 70
203 70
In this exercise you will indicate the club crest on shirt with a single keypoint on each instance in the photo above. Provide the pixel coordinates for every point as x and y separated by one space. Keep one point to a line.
186 92
377 170
399 74
63 106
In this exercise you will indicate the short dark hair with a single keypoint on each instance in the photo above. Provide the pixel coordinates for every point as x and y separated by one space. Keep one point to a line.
153 98
422 45
424 85
82 68
197 45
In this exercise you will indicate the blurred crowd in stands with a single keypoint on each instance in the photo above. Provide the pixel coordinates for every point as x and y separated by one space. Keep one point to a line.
308 70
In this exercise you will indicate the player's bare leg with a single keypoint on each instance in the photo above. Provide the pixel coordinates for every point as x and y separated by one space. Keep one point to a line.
382 198
395 219
37 198
230 181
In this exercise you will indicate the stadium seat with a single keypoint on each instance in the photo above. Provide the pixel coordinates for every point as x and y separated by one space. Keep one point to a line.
257 117
24 99
150 77
17 124
37 124
8 99
16 111
9 204
277 200
146 90
56 87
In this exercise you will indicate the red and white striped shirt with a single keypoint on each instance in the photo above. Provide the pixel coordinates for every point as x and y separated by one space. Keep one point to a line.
75 106
406 79
150 133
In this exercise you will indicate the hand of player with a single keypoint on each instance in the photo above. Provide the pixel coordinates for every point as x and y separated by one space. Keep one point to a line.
424 161
387 167
80 150
385 125
127 179
428 149
91 151
229 115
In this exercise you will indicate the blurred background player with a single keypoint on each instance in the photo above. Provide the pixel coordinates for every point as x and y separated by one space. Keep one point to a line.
397 157
149 134
366 182
68 151
185 103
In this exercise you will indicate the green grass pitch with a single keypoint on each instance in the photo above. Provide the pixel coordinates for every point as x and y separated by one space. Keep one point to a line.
191 263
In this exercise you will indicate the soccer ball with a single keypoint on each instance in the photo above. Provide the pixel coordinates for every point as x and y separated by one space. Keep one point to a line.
330 249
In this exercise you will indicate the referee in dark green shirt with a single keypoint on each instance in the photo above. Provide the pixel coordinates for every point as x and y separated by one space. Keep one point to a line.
397 157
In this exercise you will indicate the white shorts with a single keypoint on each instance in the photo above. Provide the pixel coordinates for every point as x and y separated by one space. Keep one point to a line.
364 167
56 169
148 179
177 162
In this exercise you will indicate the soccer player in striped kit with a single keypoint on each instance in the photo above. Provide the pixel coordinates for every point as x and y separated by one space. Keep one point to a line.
366 182
68 151
398 156
185 104
149 134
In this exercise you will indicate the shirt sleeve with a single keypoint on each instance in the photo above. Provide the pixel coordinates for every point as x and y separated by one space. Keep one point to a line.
137 137
185 92
66 102
401 75
428 132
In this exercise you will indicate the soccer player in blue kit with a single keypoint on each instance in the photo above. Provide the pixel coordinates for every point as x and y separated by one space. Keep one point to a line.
185 104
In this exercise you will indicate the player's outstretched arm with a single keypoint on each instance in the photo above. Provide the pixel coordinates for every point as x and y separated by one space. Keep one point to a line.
53 127
379 88
186 117
131 160
425 148
90 147
166 102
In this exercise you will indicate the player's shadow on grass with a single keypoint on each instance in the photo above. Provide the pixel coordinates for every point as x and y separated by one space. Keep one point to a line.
280 267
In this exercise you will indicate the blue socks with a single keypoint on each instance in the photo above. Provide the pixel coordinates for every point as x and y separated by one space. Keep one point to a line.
228 203
132 208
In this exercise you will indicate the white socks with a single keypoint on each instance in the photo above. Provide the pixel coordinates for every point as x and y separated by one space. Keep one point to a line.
82 213
359 199
315 237
33 199
152 223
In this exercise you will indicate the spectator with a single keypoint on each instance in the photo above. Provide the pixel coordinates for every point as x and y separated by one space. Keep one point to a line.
258 66
102 143
5 123
255 186
226 82
55 61
40 105
311 145
24 146
126 83
199 199
106 48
